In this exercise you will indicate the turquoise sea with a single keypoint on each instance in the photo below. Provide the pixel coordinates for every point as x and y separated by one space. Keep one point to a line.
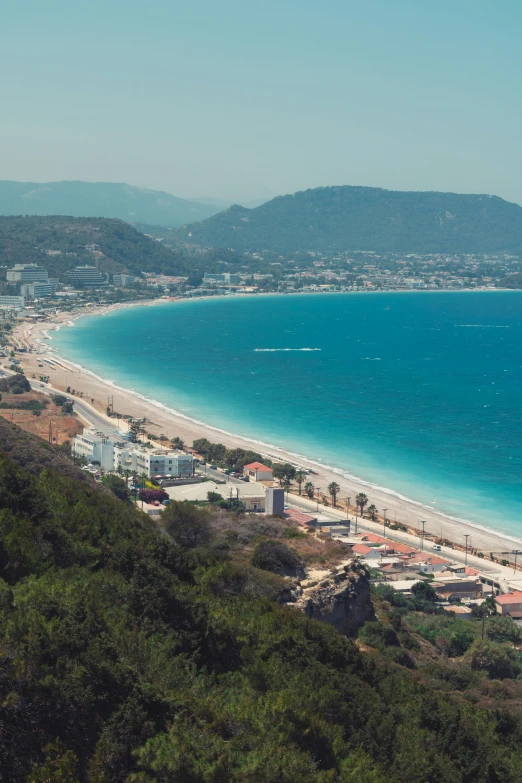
417 392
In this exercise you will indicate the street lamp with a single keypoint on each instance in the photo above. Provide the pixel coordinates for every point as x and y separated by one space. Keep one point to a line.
466 536
384 521
317 498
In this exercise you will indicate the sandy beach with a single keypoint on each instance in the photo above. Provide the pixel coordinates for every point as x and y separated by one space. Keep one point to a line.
161 419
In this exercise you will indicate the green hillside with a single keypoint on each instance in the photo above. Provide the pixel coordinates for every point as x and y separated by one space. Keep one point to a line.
29 240
357 218
100 199
128 656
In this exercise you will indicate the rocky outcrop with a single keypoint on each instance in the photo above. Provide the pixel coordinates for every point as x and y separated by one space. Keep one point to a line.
342 599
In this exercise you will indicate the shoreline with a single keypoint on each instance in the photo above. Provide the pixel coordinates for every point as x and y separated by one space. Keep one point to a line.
405 510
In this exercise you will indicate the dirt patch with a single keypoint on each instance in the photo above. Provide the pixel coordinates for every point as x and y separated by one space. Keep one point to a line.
49 425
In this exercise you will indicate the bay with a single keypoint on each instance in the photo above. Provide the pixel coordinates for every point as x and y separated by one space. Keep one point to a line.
419 392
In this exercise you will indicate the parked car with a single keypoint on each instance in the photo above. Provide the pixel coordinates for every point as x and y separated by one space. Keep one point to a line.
436 548
213 467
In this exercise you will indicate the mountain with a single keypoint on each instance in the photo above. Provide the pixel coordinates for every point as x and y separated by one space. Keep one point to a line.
100 199
60 243
360 218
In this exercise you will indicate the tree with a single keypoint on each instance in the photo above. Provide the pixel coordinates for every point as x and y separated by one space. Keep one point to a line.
117 486
214 497
188 525
501 628
333 490
309 489
372 511
300 477
283 470
424 591
500 661
361 501
177 443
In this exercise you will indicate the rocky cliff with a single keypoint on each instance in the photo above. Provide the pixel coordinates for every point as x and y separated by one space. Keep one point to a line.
342 599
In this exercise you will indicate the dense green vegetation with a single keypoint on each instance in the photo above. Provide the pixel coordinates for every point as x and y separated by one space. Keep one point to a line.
26 240
357 218
100 199
132 655
15 384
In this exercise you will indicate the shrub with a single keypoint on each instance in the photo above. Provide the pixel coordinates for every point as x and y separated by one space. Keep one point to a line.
378 634
152 495
500 661
277 557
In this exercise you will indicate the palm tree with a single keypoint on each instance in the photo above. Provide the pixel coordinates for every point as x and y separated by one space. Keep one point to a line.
309 489
361 500
372 511
300 477
333 489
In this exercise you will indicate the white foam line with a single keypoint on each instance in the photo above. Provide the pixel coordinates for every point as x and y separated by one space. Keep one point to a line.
276 350
283 453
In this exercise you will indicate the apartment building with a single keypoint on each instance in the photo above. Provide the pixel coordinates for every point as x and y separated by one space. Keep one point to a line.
27 273
86 276
39 290
12 302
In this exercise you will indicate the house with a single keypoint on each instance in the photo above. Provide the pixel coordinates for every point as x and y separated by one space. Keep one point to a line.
510 603
296 515
451 588
258 472
366 552
430 564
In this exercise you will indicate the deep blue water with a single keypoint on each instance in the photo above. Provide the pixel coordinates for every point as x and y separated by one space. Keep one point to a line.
418 392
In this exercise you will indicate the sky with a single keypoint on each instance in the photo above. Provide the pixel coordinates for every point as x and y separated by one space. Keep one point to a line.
239 100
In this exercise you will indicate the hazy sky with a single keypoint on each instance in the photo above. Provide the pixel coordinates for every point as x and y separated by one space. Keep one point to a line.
238 99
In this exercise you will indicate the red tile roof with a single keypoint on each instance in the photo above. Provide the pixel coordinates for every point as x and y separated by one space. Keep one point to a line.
361 549
257 466
509 598
300 516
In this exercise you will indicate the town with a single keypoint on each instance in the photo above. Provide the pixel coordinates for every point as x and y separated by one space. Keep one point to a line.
157 474
29 288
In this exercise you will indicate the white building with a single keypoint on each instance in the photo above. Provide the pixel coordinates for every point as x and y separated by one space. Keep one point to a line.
95 446
170 463
256 471
122 281
12 303
87 276
229 278
27 273
39 290
153 462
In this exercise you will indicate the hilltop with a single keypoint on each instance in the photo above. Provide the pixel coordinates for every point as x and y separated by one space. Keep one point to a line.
132 653
101 199
136 653
60 243
360 218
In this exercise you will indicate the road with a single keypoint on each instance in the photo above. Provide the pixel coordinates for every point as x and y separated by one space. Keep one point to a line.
94 418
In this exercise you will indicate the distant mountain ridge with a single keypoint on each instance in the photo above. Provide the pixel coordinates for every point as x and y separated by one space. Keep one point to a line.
101 199
361 218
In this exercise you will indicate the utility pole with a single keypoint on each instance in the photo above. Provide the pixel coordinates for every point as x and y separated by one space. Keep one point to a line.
466 536
515 552
317 498
423 522
384 521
